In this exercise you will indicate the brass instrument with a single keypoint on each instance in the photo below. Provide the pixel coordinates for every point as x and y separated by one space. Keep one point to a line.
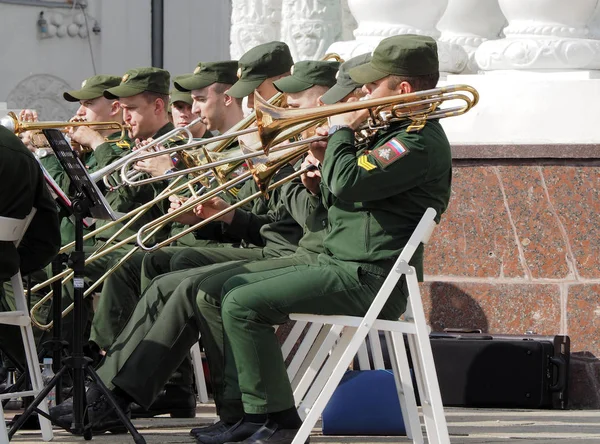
132 157
68 274
262 174
188 155
12 123
418 107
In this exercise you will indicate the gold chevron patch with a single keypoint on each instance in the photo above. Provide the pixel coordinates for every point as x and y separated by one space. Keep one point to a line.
363 162
123 144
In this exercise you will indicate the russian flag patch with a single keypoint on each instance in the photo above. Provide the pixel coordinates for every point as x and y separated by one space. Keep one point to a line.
390 152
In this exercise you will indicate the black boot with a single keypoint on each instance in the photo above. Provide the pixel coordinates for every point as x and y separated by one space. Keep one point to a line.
177 400
101 414
213 429
272 433
237 432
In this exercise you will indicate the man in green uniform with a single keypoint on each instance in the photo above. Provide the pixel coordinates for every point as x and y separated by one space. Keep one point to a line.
22 188
146 321
259 68
375 197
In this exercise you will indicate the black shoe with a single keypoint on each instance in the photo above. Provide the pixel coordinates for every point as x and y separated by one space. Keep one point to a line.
101 414
92 393
237 432
272 433
177 400
213 429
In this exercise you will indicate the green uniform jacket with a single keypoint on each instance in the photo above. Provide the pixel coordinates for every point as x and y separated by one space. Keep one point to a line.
275 230
126 199
377 196
22 187
309 212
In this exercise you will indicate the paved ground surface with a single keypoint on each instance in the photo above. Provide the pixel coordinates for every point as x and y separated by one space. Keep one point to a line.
467 426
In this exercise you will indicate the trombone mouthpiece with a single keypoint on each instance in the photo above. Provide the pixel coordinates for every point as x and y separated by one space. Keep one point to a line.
9 123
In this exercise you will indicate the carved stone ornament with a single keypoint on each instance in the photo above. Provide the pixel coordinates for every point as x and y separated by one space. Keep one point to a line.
44 93
310 26
253 22
544 34
378 19
469 23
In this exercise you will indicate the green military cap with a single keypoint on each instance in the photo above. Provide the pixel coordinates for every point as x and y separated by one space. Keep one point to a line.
258 64
401 55
180 96
136 81
345 85
206 74
307 74
92 88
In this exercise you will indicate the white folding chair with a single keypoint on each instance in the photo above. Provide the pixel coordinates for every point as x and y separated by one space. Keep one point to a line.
12 230
199 373
341 337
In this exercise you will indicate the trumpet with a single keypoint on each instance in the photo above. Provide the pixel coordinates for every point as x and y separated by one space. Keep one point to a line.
12 123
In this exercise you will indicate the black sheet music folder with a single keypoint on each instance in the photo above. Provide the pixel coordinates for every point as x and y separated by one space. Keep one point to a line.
81 180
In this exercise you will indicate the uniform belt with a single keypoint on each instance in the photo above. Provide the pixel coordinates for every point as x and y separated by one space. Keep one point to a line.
380 268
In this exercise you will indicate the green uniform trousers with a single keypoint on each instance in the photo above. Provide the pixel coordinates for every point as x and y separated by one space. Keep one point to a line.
252 303
167 322
121 291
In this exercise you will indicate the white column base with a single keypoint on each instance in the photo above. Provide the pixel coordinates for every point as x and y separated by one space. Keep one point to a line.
538 52
528 108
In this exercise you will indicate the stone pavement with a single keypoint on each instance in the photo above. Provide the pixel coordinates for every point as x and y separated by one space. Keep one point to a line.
467 426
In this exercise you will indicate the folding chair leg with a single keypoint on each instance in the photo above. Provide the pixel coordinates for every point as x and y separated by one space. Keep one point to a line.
331 333
35 374
292 337
3 430
363 358
404 386
303 350
199 373
310 356
375 343
431 398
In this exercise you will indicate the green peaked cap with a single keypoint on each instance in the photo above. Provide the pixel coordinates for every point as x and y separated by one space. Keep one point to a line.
345 85
307 74
258 64
208 73
401 55
136 81
92 88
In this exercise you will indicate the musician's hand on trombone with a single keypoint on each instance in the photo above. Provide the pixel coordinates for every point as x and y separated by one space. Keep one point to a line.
312 178
188 218
155 166
317 149
213 206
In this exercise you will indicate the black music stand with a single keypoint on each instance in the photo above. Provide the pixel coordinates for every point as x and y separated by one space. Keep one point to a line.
88 201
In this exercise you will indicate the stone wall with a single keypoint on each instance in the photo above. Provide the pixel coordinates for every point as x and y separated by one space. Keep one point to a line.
518 251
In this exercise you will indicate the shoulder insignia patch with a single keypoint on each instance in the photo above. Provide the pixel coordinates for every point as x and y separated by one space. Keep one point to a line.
123 144
390 152
363 162
234 191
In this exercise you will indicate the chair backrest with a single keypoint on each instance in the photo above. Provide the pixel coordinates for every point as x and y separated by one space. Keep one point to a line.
12 230
420 235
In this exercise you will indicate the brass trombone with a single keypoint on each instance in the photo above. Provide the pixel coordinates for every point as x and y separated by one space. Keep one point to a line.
105 249
418 106
213 144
